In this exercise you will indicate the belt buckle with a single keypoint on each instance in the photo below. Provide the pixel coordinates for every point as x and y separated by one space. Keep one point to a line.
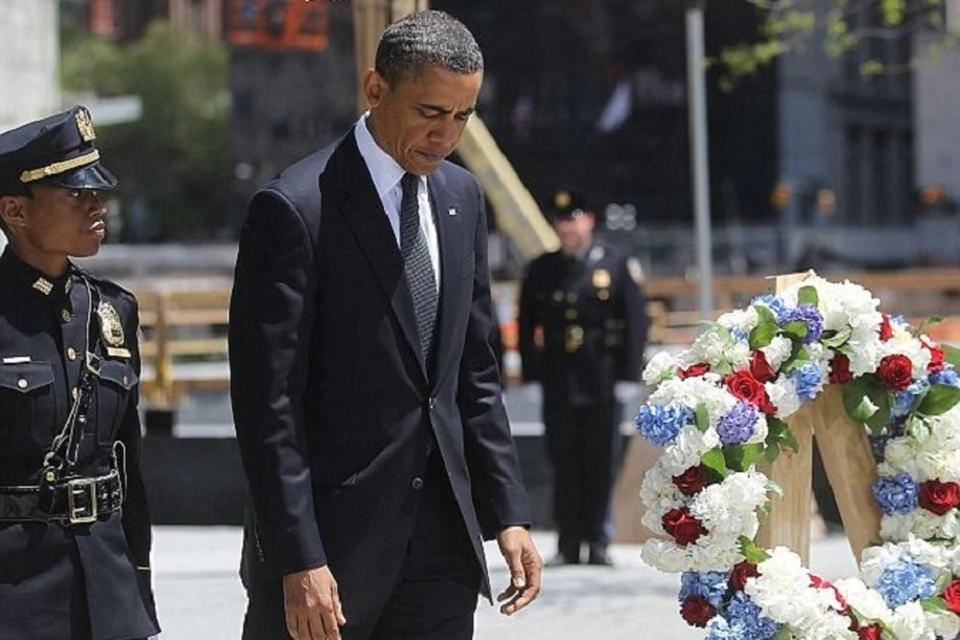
82 514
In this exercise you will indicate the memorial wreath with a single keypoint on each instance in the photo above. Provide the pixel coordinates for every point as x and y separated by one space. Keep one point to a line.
723 409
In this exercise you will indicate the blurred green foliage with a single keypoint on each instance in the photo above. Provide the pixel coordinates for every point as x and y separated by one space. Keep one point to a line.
173 162
790 25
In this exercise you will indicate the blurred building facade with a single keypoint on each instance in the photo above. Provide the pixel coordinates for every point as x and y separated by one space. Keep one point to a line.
125 20
29 62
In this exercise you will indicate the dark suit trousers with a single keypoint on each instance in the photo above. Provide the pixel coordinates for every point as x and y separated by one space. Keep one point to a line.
436 593
583 445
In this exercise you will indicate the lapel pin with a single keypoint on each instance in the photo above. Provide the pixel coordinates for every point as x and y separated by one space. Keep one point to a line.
452 211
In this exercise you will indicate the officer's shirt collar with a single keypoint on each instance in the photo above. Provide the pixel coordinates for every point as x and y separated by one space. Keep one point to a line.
29 277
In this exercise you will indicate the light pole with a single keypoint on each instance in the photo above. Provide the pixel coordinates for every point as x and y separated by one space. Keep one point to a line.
700 173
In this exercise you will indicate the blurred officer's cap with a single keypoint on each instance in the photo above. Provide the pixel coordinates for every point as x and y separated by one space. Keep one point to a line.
567 203
57 151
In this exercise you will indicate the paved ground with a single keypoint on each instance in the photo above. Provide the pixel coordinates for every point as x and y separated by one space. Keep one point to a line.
200 598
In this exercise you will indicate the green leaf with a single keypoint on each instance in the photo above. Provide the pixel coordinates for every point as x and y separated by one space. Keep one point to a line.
722 368
939 399
751 552
808 295
740 457
836 340
766 316
783 633
703 418
942 581
796 329
762 335
934 604
951 354
932 321
868 401
714 461
779 438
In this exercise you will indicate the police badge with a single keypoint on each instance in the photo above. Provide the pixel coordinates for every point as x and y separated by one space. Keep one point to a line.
85 126
110 326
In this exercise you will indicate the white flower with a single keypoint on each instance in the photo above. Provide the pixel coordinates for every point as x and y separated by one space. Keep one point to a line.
909 623
778 351
944 624
783 394
868 602
741 319
661 366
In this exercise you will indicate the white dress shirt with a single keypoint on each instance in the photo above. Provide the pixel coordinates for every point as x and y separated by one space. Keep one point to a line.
386 174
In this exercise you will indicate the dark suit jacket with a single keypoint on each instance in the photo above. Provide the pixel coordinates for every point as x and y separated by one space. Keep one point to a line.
332 403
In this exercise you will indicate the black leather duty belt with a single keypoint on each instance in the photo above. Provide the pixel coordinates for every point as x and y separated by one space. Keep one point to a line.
75 501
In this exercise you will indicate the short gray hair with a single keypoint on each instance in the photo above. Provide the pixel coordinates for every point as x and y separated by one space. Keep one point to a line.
426 38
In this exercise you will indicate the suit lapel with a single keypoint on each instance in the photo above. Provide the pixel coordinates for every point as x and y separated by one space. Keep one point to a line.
450 236
365 216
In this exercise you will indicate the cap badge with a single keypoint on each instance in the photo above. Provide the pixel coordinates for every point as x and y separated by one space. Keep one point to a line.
561 199
85 126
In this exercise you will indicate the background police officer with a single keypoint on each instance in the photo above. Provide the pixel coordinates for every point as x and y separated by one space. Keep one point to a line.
582 327
74 525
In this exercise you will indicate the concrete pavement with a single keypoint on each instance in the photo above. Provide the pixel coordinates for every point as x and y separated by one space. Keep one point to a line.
199 595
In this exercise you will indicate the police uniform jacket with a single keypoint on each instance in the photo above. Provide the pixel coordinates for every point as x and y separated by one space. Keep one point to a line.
582 325
60 580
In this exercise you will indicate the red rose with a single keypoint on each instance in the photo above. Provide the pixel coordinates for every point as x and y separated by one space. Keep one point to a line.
952 595
743 385
936 359
873 632
886 331
939 497
691 481
693 371
741 572
682 526
697 611
760 368
840 369
896 371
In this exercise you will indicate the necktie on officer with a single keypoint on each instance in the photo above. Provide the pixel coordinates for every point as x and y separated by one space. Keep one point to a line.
417 265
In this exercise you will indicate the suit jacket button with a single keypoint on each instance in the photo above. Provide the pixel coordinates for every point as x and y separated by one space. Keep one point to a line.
417 484
432 403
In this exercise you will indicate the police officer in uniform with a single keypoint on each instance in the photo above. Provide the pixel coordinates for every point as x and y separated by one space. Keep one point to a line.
582 327
74 524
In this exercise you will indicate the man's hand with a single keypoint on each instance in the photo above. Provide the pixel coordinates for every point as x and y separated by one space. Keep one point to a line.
525 566
312 604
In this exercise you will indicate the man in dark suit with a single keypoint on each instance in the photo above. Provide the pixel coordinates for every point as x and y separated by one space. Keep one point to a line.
74 523
365 390
582 328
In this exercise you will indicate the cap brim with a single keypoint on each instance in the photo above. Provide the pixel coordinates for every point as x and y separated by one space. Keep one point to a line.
94 176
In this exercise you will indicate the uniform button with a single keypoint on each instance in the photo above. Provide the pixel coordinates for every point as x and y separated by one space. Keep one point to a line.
571 314
126 380
65 315
417 484
71 353
22 383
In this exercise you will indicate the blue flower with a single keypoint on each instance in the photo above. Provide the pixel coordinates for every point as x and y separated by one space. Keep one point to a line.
710 585
904 400
945 376
773 303
660 425
905 581
743 621
808 315
897 494
738 426
739 335
807 379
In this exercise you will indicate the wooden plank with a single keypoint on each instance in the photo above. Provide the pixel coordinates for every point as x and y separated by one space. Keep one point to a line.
788 523
851 468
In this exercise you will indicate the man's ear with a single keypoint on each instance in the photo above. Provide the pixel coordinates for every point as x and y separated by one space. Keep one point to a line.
374 87
13 212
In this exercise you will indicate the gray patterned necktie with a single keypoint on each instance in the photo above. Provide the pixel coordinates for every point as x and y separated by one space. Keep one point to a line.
417 265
